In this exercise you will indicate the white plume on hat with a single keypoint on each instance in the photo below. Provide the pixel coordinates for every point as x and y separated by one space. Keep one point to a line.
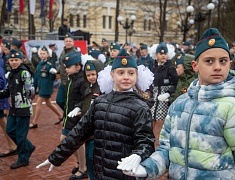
170 47
102 58
34 49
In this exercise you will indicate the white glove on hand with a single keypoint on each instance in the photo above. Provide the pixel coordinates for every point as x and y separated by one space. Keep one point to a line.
53 71
140 172
129 163
7 74
46 163
163 97
74 112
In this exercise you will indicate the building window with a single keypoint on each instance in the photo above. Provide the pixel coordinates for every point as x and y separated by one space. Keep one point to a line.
104 22
84 21
16 20
110 22
78 20
71 20
145 24
150 25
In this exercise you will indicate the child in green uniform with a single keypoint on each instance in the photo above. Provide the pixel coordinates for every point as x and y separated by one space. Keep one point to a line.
43 80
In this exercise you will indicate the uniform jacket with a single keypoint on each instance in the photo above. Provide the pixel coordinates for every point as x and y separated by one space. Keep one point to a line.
146 61
43 79
121 125
165 75
63 29
197 139
35 60
20 89
4 103
63 74
74 97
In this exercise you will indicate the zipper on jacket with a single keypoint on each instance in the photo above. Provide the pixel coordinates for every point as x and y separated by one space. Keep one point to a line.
67 100
187 135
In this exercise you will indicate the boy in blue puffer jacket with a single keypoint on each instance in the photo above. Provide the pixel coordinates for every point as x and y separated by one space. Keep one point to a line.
197 139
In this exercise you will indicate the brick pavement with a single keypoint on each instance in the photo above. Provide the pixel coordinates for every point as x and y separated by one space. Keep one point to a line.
45 137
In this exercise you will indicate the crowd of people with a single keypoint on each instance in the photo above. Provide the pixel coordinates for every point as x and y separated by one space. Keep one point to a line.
115 96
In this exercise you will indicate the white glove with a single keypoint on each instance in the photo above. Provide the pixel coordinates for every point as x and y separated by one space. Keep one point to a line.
53 71
129 163
74 112
140 172
7 74
163 97
46 163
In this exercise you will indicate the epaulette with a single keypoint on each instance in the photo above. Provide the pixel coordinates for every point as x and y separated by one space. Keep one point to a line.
49 63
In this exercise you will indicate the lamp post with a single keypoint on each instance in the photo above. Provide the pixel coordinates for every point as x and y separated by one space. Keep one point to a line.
126 25
199 17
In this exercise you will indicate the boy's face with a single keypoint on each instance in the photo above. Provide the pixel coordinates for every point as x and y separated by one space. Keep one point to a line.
114 53
143 52
6 51
161 58
91 76
43 55
124 78
73 69
212 66
15 62
68 42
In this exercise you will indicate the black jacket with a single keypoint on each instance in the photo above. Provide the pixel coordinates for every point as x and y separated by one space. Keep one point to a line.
63 29
121 125
74 98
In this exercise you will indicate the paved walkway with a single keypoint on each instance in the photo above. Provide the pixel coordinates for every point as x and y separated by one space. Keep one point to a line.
45 138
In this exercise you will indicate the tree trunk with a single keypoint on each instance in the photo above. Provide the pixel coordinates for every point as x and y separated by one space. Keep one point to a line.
3 14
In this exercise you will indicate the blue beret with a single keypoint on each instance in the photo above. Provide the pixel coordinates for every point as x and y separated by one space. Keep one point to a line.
15 54
114 46
68 35
6 43
89 66
71 59
143 46
95 53
123 60
210 39
162 48
16 42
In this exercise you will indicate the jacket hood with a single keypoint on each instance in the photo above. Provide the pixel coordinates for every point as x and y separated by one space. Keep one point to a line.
98 67
207 93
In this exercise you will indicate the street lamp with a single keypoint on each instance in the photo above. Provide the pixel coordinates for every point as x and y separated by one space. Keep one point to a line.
126 25
200 17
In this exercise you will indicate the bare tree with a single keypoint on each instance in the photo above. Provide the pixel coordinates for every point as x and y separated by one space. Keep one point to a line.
3 18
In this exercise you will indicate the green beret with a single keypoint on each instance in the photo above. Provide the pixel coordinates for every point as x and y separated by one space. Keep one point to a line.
6 43
71 59
15 54
114 46
44 48
210 39
95 53
186 44
89 66
143 46
37 46
104 40
16 42
68 35
124 60
162 48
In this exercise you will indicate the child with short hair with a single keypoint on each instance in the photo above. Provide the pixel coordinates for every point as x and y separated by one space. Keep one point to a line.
197 139
43 80
20 89
120 122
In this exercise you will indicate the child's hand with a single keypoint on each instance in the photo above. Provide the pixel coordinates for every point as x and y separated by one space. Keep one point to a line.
53 71
7 74
74 112
46 163
140 172
129 163
163 97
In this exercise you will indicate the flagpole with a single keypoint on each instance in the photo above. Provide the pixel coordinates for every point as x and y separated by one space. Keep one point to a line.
30 23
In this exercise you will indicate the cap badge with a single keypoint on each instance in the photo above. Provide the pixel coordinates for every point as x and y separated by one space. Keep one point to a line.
67 58
111 47
13 55
211 42
162 51
124 61
88 67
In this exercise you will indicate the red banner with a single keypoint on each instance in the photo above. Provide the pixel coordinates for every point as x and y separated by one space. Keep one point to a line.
21 6
51 9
